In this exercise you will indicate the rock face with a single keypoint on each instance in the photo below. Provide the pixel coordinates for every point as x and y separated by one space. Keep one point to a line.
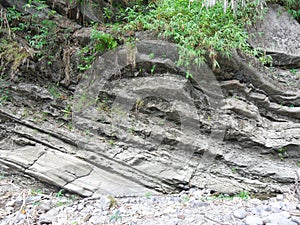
139 125
278 34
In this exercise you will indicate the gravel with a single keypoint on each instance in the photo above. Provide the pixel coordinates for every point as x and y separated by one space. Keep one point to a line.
22 205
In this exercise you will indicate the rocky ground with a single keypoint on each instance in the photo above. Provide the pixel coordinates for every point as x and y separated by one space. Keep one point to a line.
25 201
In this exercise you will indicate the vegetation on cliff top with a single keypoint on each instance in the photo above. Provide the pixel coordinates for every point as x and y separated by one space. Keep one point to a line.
201 28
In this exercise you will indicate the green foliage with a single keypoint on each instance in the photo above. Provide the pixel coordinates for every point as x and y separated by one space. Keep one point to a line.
54 91
293 71
196 29
41 39
116 216
282 153
100 42
70 125
12 14
67 111
233 170
35 192
188 75
153 69
148 194
86 59
59 194
242 194
112 202
111 143
185 199
12 54
40 32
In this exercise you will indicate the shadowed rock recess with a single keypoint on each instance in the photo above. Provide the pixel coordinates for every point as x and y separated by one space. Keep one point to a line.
139 125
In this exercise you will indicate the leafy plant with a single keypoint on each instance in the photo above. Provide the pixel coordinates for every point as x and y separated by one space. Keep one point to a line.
112 202
196 29
111 142
151 55
234 170
40 31
153 69
36 192
67 111
54 91
116 216
243 195
282 153
139 104
148 194
70 125
100 41
293 7
293 71
59 194
266 60
188 75
185 199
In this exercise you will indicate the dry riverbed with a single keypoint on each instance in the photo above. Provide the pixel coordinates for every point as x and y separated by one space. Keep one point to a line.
25 201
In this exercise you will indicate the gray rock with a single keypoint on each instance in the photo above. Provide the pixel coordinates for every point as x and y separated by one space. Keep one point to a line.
288 206
44 206
104 203
240 213
295 219
50 216
275 38
80 206
279 197
44 219
280 218
139 140
253 220
274 207
20 217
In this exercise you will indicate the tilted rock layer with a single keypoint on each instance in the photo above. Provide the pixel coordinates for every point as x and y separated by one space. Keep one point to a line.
140 125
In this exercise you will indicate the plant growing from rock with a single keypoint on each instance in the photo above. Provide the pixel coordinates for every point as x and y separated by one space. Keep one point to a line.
282 153
197 30
116 216
100 41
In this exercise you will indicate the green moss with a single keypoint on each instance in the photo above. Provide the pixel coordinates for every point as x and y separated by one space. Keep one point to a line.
12 53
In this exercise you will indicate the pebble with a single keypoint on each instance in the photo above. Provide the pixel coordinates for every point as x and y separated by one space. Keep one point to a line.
240 213
253 220
104 202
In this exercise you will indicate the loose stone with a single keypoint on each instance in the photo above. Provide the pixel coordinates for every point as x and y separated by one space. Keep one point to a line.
253 220
240 213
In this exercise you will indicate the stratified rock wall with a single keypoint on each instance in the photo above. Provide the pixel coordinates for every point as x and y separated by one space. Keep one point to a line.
138 125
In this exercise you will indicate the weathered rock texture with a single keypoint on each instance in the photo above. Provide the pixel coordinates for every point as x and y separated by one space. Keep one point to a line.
139 125
278 34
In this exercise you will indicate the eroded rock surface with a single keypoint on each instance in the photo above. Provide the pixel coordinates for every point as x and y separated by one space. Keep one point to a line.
140 125
136 124
278 34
